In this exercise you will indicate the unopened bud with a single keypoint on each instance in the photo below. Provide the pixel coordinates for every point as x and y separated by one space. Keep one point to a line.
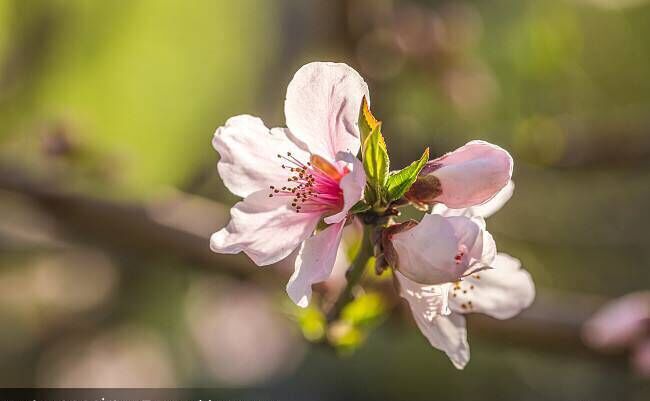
424 190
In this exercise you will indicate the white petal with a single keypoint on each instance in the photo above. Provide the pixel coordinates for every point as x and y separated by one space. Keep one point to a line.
484 210
429 300
501 292
249 150
427 253
489 249
322 107
314 263
445 330
352 185
266 229
448 334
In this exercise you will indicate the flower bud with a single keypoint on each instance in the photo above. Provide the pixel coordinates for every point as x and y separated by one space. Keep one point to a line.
424 190
468 176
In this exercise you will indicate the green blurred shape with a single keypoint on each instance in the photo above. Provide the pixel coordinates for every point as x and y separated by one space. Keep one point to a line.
148 81
546 40
345 337
311 321
358 318
365 310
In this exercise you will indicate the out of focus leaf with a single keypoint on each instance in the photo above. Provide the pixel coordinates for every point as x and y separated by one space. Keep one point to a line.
148 82
345 337
364 310
312 322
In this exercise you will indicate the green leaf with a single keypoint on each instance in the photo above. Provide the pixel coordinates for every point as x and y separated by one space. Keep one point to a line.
376 164
359 207
400 181
367 122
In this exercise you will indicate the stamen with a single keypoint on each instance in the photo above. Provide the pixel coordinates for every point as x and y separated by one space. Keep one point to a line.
315 184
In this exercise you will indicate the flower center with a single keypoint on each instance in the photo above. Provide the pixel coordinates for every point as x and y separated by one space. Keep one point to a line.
314 186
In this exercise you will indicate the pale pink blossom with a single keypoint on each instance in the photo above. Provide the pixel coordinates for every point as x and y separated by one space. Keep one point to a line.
293 178
480 280
501 292
468 176
623 323
442 249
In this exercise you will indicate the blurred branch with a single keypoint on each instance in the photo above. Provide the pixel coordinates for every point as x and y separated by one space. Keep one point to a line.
553 323
353 275
121 226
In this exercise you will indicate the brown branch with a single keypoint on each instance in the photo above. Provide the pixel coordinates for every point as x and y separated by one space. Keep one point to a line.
553 323
122 226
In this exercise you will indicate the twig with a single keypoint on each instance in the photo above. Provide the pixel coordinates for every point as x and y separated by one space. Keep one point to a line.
353 275
552 323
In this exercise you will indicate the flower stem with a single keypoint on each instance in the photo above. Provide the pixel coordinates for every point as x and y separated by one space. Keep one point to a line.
354 273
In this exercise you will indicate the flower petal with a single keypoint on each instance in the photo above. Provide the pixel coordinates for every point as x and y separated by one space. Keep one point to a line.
620 322
444 330
249 150
501 292
266 229
322 107
314 263
438 249
429 300
484 210
352 185
472 174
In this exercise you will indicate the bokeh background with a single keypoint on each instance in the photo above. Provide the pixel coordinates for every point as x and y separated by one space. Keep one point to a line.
109 191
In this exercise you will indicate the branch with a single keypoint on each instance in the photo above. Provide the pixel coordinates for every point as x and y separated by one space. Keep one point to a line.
353 275
552 323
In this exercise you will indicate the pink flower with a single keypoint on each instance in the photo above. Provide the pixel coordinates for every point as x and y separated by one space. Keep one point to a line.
623 324
442 249
448 243
292 178
468 176
456 251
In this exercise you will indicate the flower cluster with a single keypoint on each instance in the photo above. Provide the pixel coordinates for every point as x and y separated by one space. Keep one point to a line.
301 186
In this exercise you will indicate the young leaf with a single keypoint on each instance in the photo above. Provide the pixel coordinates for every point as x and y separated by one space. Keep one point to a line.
399 182
359 207
367 122
376 163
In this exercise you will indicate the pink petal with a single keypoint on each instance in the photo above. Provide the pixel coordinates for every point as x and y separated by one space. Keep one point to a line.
429 253
501 292
641 358
352 185
472 174
322 107
266 229
249 152
314 263
484 210
620 322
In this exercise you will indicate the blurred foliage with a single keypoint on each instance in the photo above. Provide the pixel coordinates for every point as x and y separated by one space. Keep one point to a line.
139 82
358 318
311 320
